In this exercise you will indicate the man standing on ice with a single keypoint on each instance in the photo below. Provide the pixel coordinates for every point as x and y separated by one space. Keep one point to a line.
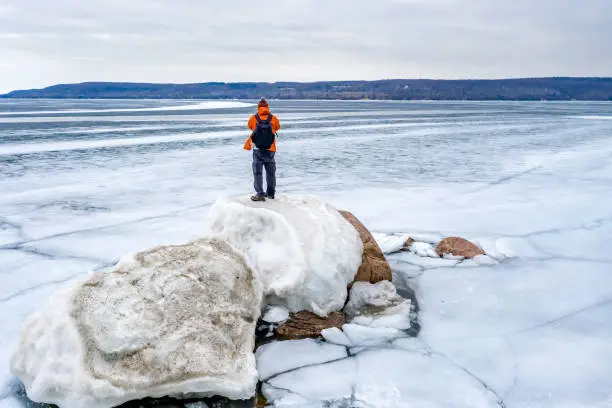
264 127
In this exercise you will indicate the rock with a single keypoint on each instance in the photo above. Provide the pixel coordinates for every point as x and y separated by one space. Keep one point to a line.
408 244
374 267
304 251
458 247
174 321
306 324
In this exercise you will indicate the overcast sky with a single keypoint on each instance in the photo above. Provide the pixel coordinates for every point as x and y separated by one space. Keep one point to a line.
44 42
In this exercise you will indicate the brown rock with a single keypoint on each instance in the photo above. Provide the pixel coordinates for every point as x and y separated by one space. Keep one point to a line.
374 267
458 247
408 244
307 324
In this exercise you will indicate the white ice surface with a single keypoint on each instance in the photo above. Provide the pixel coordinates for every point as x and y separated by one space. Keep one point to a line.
305 252
282 356
379 378
193 106
535 194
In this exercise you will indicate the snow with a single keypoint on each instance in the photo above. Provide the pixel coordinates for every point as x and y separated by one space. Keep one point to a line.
363 294
390 243
378 306
423 249
276 314
283 356
305 252
396 317
174 320
360 335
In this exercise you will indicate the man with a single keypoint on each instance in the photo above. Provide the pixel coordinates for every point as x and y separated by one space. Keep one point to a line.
264 127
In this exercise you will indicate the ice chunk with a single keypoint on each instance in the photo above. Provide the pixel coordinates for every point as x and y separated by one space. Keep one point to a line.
336 336
425 262
276 314
198 404
390 243
364 294
370 336
329 381
423 249
284 356
378 305
480 260
304 250
395 317
174 320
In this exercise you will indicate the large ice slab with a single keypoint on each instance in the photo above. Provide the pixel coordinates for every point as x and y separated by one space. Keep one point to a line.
383 378
283 356
174 320
303 249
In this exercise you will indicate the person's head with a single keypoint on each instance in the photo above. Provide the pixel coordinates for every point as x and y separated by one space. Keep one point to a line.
262 103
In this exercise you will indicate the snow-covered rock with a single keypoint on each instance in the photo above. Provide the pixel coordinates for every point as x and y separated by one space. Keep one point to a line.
303 249
174 320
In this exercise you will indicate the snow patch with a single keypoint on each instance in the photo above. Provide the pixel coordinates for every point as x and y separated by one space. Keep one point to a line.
390 244
423 249
276 314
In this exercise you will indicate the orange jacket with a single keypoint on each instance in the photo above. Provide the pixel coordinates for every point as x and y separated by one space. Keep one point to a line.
263 114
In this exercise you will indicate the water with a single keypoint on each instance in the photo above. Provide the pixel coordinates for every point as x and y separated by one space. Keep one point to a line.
86 181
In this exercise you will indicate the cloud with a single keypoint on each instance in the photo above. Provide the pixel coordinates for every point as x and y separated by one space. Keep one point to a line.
238 40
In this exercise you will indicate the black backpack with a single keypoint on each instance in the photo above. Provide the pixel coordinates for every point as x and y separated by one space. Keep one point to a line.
263 136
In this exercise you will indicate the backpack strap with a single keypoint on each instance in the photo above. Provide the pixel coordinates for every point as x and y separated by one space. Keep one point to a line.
260 120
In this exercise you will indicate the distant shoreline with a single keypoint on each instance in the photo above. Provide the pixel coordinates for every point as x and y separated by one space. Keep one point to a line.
520 89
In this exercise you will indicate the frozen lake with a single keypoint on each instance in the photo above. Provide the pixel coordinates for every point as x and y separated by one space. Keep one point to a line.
84 182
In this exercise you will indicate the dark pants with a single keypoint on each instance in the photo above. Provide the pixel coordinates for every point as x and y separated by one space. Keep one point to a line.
261 159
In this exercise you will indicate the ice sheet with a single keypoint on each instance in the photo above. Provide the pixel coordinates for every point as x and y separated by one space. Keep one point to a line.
534 194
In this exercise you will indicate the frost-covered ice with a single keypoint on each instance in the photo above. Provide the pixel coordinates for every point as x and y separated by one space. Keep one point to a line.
533 327
306 253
